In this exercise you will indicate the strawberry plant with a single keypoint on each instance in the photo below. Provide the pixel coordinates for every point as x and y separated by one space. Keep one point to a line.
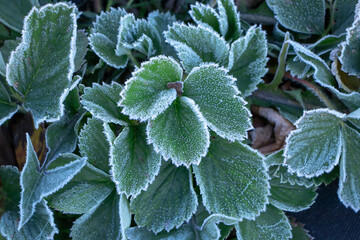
206 124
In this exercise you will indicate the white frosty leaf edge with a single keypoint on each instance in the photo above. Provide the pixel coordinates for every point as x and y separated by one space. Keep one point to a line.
26 40
298 130
52 222
203 8
224 24
128 83
4 119
201 119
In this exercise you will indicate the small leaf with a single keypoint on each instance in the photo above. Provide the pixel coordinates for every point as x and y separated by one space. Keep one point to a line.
7 107
81 49
233 180
248 60
306 16
37 183
197 45
180 133
134 163
272 224
205 15
146 94
101 222
92 135
103 39
168 202
299 232
315 147
101 101
230 20
41 67
216 95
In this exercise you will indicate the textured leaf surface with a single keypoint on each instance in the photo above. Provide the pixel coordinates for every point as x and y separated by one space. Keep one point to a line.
248 60
103 39
305 16
315 147
230 20
101 101
180 133
41 67
168 202
233 180
12 12
81 49
134 163
205 15
37 183
343 15
101 222
7 108
216 95
146 94
196 45
272 224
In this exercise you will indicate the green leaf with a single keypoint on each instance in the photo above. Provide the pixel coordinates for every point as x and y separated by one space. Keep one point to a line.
275 158
315 147
81 49
349 180
343 11
7 107
37 183
216 95
197 45
104 38
205 15
92 135
306 16
100 222
12 13
291 197
233 180
134 163
349 49
138 34
10 186
168 202
248 60
8 47
101 101
298 232
125 215
230 26
180 133
146 94
272 224
285 176
41 67
2 65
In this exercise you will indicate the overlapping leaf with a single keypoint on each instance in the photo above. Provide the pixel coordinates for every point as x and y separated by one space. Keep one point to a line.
7 107
205 15
343 15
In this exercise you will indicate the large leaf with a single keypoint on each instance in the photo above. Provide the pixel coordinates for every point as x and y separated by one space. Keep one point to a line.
146 94
343 11
197 45
41 67
248 60
101 101
272 224
305 16
168 202
134 163
180 133
12 12
7 107
103 39
216 95
315 147
37 183
233 180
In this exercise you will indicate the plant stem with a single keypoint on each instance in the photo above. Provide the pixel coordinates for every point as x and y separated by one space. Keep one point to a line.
109 4
133 60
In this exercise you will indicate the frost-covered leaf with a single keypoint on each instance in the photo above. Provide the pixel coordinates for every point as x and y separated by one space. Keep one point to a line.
8 47
92 135
100 222
216 95
168 201
41 67
305 16
248 60
125 215
134 163
104 38
36 183
180 133
275 158
315 146
205 15
298 231
101 101
2 65
285 176
81 49
146 94
291 197
138 34
197 45
272 224
230 26
7 107
343 15
326 44
350 56
349 180
12 12
233 180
